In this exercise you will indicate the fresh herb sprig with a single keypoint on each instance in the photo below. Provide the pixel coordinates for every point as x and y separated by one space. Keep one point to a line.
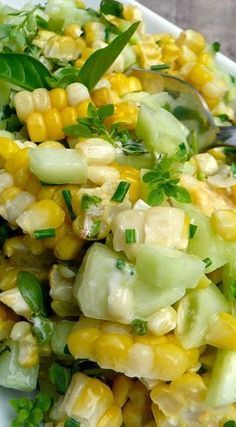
94 126
163 179
30 413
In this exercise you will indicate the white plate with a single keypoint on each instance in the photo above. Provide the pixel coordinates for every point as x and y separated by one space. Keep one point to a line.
155 23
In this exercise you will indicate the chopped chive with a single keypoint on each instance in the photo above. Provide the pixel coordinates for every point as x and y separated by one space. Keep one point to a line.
233 169
139 327
121 191
45 234
67 197
120 263
70 422
87 201
216 46
130 235
192 230
159 67
207 261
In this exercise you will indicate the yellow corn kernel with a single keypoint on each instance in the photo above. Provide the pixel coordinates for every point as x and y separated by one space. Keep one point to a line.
33 185
151 339
170 361
81 342
60 232
28 356
18 161
186 55
8 277
190 386
132 175
104 96
111 418
112 350
206 59
5 329
194 40
24 104
46 192
41 100
221 332
94 31
73 30
123 84
82 108
79 63
68 248
9 194
87 52
51 144
135 416
170 53
58 98
125 112
193 356
69 116
37 128
35 246
41 215
214 90
223 222
7 148
121 388
139 394
53 123
200 75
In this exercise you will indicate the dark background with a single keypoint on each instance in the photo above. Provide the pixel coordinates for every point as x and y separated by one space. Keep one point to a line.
216 19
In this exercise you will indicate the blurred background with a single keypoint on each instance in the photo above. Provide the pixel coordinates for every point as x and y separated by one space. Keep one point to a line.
216 19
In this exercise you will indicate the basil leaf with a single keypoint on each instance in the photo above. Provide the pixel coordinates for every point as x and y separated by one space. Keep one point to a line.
23 71
31 290
112 7
101 60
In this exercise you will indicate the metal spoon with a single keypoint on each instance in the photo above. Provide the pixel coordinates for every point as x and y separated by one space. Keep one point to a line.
185 95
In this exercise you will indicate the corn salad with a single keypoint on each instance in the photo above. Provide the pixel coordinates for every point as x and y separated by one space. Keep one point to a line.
117 223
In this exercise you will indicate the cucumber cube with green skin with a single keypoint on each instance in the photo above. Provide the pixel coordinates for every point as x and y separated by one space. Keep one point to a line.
12 375
60 334
160 130
206 244
160 278
194 313
222 386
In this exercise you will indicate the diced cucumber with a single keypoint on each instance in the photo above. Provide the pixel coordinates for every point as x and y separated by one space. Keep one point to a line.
169 268
160 130
157 100
129 56
124 293
205 243
60 334
63 12
58 166
142 161
135 96
222 387
194 313
12 375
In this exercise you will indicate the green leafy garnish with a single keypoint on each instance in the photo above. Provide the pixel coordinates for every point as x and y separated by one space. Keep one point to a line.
215 46
101 60
159 67
121 191
46 233
112 7
230 423
31 290
139 327
60 377
23 71
130 235
123 265
87 201
70 422
93 125
223 118
30 413
63 77
164 177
